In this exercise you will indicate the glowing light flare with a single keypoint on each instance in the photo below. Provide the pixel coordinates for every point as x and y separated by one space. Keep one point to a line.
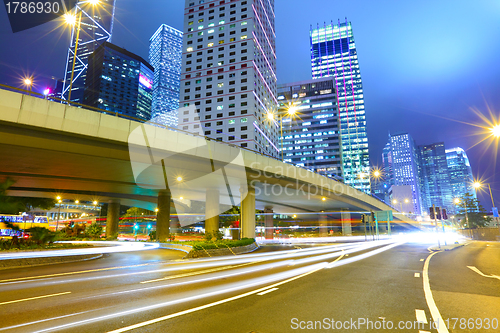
69 18
495 131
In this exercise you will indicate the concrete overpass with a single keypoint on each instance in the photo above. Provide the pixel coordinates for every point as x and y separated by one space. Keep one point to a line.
51 148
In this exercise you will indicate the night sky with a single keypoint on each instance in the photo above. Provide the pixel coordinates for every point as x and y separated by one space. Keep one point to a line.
424 64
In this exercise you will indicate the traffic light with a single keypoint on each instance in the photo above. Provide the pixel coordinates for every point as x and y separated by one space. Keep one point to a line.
136 227
149 226
373 217
438 213
431 213
444 213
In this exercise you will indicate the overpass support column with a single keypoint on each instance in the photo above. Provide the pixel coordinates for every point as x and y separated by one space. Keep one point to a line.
163 216
268 222
346 222
112 219
323 225
212 211
248 213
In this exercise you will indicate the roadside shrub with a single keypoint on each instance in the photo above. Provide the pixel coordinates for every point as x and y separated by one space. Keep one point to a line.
94 230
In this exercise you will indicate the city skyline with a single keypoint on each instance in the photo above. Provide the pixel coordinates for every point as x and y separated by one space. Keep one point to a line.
417 72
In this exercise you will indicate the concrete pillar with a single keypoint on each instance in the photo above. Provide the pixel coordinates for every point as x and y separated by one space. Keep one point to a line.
269 223
113 219
163 216
212 211
346 222
248 213
323 225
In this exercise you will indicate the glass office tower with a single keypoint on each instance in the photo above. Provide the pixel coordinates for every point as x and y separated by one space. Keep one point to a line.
165 54
460 171
119 81
333 53
96 28
404 166
434 177
311 137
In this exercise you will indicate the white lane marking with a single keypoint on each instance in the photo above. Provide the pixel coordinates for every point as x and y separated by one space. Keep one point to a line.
424 332
417 275
267 291
420 314
33 298
482 274
436 315
422 259
197 273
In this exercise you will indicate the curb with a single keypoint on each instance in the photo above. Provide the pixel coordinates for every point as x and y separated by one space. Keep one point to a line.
33 262
448 248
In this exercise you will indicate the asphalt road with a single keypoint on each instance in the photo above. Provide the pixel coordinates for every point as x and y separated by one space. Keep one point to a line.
278 291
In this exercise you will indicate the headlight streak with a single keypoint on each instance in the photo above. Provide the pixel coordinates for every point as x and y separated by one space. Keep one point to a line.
114 248
215 263
363 256
44 320
274 277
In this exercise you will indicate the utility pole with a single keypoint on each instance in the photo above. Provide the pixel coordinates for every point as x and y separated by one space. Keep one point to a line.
435 221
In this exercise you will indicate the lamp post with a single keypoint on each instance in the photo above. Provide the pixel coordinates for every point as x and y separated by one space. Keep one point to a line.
477 185
291 111
73 20
457 202
59 201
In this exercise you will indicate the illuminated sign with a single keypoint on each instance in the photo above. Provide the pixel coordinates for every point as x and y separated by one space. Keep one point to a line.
145 81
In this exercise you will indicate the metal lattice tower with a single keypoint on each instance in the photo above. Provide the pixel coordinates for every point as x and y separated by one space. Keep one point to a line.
96 27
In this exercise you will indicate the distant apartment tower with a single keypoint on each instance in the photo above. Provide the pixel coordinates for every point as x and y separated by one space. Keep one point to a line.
434 177
165 53
333 54
459 168
96 28
229 72
382 185
119 81
311 138
404 165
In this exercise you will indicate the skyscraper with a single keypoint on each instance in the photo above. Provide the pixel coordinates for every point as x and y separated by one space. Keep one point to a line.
165 53
461 179
434 177
333 54
311 138
229 72
96 27
119 81
404 167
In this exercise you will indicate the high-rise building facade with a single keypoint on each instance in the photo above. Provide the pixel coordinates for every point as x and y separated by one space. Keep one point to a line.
229 72
434 177
165 53
404 167
334 54
96 27
119 81
311 135
459 168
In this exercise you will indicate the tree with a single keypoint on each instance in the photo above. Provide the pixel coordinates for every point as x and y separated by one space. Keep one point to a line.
14 205
137 212
476 213
94 230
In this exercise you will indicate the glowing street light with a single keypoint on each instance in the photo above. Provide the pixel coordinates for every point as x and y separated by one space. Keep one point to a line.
179 179
59 201
28 82
477 185
495 131
457 201
291 111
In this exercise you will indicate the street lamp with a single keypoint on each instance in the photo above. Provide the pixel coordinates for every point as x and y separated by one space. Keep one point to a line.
495 131
290 113
59 201
28 82
477 185
457 202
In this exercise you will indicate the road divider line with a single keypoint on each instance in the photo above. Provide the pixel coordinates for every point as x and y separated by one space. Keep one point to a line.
267 291
422 259
474 269
436 315
33 298
420 314
417 275
198 273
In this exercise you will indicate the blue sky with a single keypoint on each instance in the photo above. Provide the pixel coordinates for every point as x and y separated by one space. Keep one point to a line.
424 63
